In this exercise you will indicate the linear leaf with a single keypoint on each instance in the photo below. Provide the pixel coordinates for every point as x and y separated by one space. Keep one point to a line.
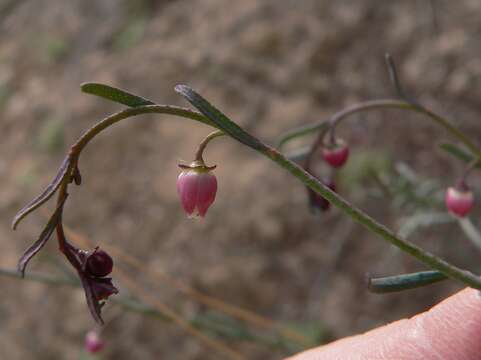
218 118
45 195
301 131
422 220
404 281
459 153
114 94
42 240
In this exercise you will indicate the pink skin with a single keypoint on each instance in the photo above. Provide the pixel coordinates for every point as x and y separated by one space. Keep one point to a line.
93 344
197 191
459 202
336 157
450 330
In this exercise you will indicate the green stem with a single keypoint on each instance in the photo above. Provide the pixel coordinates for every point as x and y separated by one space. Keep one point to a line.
401 104
333 121
46 279
124 114
203 144
467 170
203 323
359 216
301 131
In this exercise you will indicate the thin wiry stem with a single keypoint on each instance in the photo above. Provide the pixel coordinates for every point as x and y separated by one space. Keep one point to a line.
124 114
335 119
215 303
200 150
165 310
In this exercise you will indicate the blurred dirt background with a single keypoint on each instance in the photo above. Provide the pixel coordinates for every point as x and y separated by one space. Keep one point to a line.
271 65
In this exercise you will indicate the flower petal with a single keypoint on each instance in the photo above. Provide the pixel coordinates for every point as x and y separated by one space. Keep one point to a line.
187 188
207 188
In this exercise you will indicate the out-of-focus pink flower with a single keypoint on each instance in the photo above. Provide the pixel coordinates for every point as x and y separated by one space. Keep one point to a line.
93 343
336 155
197 187
459 201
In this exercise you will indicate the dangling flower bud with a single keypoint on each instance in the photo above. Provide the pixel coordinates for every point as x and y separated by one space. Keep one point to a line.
459 200
93 343
99 263
336 155
197 187
316 201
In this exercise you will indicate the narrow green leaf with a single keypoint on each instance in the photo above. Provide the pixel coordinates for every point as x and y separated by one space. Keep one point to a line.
114 94
219 119
298 155
417 221
302 131
470 230
405 281
459 153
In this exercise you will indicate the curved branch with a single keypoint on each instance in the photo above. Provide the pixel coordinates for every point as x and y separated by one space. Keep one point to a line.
200 150
301 131
401 104
124 114
335 119
235 131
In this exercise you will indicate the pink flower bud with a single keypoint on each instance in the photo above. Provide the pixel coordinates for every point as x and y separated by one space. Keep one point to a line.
336 155
458 201
99 263
196 187
93 343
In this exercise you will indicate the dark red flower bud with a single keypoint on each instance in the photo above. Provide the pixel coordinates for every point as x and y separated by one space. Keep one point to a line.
99 263
459 201
316 201
336 155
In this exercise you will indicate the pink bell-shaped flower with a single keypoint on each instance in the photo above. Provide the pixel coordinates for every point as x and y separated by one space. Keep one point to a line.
197 187
459 201
336 155
93 343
